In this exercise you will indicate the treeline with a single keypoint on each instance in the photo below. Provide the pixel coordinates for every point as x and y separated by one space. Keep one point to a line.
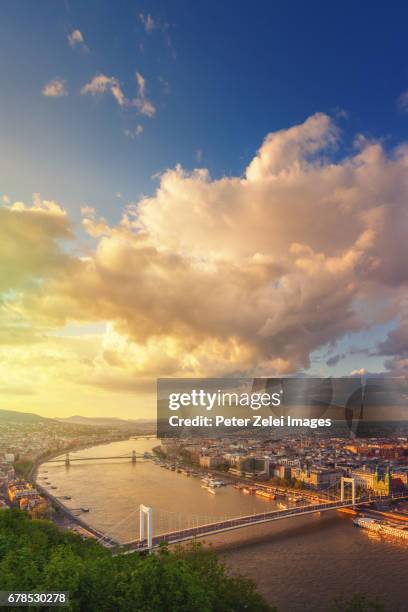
37 556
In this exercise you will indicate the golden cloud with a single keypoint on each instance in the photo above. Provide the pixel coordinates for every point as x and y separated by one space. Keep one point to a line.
231 276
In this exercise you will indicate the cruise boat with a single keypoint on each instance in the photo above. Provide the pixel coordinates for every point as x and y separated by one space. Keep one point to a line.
382 527
265 494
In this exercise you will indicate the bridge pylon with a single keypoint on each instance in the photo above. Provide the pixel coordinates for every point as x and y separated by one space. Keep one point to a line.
67 460
352 481
147 513
133 456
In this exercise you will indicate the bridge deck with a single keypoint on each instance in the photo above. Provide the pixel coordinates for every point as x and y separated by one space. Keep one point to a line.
240 522
95 458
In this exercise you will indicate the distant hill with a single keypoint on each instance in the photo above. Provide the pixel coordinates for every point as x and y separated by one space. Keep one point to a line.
21 417
29 417
106 422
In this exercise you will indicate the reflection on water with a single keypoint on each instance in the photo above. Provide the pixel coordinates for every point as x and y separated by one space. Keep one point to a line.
299 564
114 489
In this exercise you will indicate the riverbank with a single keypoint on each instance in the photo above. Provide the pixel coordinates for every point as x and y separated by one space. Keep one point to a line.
71 518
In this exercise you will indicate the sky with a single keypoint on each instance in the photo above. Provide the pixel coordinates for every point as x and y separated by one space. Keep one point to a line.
198 189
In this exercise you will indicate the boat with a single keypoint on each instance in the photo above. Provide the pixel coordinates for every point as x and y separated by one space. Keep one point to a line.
85 509
54 487
67 497
294 499
216 483
382 527
265 494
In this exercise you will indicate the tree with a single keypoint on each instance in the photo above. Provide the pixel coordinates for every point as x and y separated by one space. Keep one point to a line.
36 555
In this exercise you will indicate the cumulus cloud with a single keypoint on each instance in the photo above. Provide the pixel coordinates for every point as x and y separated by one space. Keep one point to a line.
238 275
395 345
55 88
30 243
359 372
76 39
101 84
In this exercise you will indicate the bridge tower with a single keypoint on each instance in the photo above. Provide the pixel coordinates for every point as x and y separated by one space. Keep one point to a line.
133 456
352 481
67 461
144 511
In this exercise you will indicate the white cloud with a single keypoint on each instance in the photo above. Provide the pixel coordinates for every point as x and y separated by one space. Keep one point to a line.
76 39
142 103
148 22
55 88
242 274
101 84
137 131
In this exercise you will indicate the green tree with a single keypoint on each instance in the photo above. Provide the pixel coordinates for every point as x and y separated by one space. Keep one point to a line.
36 555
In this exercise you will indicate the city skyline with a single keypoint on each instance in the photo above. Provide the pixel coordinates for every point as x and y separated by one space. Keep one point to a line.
192 193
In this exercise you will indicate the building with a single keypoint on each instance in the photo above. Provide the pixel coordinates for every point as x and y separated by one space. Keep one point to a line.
251 466
318 478
210 461
283 472
364 478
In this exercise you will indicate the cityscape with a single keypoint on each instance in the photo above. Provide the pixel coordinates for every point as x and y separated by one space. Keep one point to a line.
298 467
240 484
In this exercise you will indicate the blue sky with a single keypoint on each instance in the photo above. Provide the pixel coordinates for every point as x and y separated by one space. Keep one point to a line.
234 73
101 100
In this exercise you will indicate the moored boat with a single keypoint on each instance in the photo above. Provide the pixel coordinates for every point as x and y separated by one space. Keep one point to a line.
382 527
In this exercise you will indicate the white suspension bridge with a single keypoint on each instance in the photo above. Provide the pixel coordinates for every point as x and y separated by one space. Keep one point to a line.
161 526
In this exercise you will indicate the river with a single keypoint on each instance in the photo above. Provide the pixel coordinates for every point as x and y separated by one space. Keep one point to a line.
299 564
